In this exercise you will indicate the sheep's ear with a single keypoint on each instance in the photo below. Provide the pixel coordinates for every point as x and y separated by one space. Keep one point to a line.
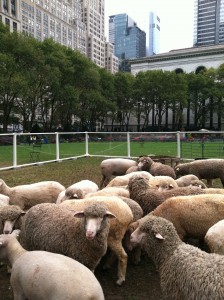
177 169
110 215
79 214
159 236
170 186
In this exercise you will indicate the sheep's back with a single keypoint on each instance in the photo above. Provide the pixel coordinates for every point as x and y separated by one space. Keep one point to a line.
186 267
192 215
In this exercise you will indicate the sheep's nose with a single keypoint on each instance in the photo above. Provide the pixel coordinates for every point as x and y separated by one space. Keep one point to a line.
6 231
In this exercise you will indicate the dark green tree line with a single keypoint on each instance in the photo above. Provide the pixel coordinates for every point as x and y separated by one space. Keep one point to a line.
49 84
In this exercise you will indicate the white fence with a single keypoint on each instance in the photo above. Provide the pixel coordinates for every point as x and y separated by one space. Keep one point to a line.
25 149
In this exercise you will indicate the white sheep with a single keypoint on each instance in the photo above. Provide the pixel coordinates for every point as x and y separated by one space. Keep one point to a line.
78 190
162 183
27 195
114 167
118 226
124 179
39 275
111 191
214 238
4 200
186 272
186 180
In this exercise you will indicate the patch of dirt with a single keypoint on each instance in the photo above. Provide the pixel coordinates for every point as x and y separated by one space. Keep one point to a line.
142 282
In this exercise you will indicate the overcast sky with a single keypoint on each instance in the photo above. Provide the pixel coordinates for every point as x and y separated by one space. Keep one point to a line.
176 19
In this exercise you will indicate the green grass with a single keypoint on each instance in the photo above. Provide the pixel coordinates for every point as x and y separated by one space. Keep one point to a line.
66 172
189 150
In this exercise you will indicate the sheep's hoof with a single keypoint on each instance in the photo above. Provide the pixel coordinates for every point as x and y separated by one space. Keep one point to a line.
120 281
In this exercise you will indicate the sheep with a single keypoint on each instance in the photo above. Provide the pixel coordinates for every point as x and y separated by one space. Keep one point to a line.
204 169
78 190
114 167
25 196
4 200
186 180
149 198
132 169
162 183
192 215
111 191
214 238
44 275
185 271
10 218
214 191
118 226
198 183
145 163
123 180
81 235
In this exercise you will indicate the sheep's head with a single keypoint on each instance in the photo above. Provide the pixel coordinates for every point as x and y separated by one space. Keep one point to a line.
144 163
198 183
95 217
153 232
9 214
138 182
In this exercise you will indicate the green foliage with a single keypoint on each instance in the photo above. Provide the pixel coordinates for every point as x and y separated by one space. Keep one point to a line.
62 85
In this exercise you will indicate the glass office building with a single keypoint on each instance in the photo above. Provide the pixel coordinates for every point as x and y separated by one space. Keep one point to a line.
208 22
154 34
128 39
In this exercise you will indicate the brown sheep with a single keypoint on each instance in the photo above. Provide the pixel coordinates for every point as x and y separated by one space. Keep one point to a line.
145 163
192 215
149 198
208 169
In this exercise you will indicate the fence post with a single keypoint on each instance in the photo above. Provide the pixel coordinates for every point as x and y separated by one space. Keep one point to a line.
178 144
128 144
14 150
87 143
57 145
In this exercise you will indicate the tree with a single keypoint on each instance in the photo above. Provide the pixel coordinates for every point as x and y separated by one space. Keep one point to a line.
125 101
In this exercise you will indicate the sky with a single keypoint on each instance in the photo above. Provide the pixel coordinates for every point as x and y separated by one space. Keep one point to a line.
176 19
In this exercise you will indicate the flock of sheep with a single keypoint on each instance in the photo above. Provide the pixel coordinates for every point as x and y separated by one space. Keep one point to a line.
140 207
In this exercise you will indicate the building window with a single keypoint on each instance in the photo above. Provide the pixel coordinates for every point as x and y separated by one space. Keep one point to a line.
14 26
5 4
7 22
13 7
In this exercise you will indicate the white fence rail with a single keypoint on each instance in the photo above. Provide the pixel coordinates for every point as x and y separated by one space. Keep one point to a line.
26 149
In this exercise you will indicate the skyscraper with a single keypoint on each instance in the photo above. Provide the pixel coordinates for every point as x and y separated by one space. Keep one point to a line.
208 22
41 19
154 34
128 39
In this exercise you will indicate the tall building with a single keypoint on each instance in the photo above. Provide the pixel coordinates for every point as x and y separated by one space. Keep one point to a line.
208 22
78 24
154 34
128 39
59 20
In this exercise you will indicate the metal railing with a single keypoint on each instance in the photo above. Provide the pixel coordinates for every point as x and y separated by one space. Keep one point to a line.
16 148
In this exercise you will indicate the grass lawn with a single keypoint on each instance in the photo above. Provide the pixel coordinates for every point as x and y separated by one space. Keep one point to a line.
189 150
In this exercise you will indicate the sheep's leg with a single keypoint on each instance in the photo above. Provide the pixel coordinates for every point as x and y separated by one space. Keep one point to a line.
209 182
102 182
110 260
117 248
222 180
